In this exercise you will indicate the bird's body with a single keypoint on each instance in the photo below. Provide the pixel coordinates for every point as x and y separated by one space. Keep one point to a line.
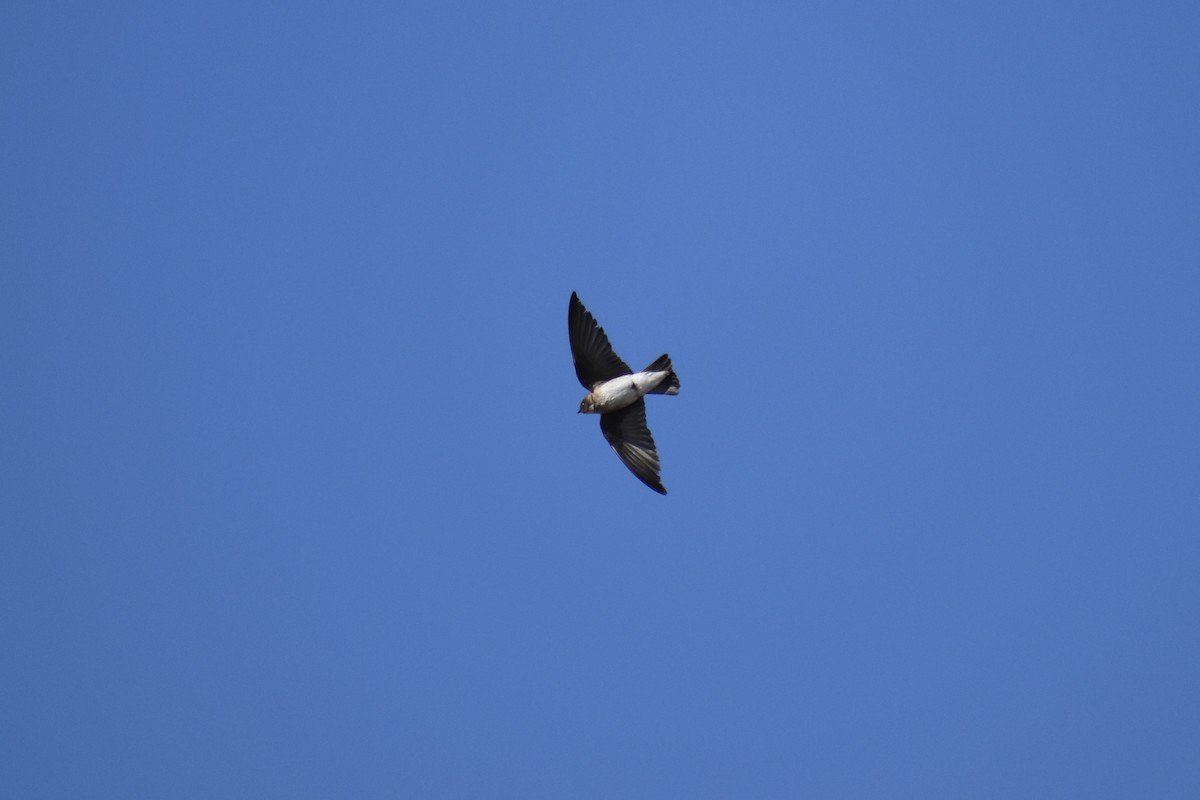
616 392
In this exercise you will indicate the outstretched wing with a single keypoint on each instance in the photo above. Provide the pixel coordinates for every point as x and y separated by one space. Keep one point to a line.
595 361
630 438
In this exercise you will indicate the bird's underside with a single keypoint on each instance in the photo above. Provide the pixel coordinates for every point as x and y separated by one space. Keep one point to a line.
616 393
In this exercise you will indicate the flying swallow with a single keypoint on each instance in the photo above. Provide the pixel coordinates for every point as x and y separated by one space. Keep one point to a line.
615 393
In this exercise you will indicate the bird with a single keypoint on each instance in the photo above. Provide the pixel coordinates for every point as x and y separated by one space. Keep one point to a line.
615 392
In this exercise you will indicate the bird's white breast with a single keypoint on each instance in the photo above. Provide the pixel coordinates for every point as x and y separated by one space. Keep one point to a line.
625 390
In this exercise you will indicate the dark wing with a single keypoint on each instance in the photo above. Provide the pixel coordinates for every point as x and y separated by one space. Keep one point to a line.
626 431
595 361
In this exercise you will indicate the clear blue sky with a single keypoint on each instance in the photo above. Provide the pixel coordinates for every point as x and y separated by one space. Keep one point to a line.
295 501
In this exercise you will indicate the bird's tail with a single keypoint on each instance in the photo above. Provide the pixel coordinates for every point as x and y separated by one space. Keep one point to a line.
670 384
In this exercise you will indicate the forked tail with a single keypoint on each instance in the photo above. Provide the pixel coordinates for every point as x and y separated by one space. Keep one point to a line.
670 384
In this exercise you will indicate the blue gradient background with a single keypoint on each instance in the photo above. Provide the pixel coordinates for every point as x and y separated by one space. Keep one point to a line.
295 502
